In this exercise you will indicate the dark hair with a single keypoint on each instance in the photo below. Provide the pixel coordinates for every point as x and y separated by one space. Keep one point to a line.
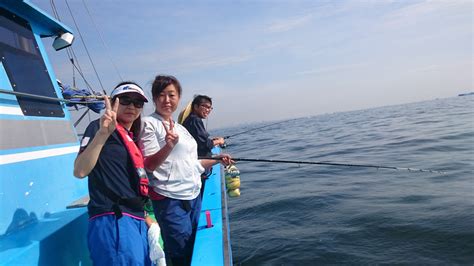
161 82
136 126
199 99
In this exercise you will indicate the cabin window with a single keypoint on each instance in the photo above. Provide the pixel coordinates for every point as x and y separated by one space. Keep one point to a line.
25 67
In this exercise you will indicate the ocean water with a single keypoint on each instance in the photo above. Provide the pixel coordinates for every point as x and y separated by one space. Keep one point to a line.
290 214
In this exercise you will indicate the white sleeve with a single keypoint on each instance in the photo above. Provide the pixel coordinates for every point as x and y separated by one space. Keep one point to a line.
149 137
199 167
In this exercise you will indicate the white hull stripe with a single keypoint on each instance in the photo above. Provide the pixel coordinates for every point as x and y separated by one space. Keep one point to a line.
8 110
32 155
24 134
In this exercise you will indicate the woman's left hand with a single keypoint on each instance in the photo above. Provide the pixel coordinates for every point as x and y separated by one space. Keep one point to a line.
218 141
226 159
171 137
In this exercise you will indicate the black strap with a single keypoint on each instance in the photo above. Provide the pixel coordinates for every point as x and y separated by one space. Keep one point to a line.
135 203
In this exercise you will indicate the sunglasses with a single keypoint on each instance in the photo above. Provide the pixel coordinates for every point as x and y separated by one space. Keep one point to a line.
206 106
127 101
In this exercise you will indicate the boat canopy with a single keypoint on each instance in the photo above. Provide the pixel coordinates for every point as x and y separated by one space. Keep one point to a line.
45 25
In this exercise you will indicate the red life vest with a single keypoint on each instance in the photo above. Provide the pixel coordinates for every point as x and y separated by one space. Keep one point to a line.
137 159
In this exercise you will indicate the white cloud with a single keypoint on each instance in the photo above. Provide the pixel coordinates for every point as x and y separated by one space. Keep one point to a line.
214 61
412 14
330 69
288 24
425 69
292 59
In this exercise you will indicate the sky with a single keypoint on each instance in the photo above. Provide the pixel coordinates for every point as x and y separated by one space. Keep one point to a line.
264 61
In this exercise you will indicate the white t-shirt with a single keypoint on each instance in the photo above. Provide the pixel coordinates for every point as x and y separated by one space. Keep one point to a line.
179 176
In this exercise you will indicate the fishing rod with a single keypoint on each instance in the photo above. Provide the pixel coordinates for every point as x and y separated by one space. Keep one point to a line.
233 135
333 164
47 98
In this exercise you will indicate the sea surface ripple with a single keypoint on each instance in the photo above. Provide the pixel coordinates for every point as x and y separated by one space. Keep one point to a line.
290 214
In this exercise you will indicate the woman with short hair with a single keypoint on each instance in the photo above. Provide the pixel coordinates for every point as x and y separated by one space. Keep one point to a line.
174 171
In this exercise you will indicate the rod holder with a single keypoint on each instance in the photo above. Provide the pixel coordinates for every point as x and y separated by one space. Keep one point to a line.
208 219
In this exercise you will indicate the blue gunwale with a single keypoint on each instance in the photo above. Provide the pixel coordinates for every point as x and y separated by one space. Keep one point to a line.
212 245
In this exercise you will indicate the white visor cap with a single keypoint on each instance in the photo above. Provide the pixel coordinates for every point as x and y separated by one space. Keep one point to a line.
128 88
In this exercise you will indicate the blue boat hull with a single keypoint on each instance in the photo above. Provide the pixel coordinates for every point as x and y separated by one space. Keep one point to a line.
38 145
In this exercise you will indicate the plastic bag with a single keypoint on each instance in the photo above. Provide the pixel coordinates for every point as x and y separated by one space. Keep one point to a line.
157 255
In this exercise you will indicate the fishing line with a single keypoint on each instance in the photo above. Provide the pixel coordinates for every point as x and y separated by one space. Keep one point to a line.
72 55
80 118
103 42
272 124
335 164
75 65
84 44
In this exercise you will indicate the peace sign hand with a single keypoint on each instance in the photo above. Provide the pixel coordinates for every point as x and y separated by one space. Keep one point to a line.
108 120
171 138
